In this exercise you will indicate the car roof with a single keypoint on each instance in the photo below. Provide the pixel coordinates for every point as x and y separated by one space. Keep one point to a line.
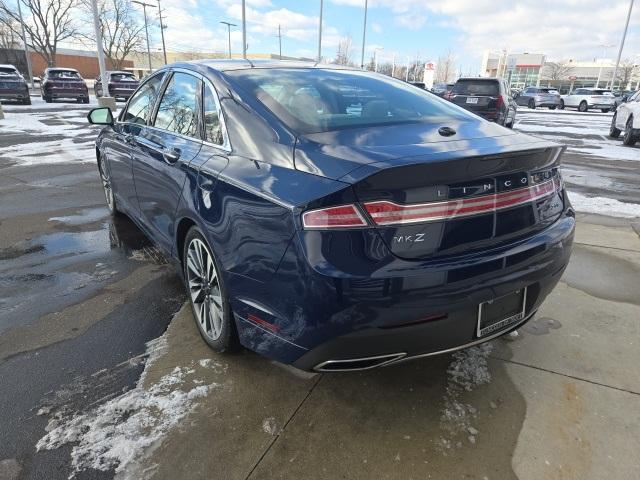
223 65
481 79
61 69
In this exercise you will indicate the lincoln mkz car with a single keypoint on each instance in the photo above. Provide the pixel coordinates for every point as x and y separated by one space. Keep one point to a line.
336 219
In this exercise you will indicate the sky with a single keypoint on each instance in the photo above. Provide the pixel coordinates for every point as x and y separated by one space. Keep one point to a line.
567 29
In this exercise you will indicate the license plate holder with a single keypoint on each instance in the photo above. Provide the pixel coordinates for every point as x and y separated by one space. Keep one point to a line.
472 100
498 313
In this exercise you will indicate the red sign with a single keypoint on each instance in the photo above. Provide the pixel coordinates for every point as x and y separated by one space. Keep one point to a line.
573 78
430 66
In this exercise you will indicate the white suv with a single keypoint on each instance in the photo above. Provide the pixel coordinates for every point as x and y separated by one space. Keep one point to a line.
627 120
585 98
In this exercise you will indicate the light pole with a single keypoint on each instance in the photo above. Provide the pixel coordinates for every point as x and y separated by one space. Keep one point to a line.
105 99
26 48
244 31
393 66
364 33
375 58
604 56
624 36
229 25
146 28
320 33
406 77
164 49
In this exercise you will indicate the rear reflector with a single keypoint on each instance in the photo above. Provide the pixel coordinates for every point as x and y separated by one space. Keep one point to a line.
263 323
333 217
389 213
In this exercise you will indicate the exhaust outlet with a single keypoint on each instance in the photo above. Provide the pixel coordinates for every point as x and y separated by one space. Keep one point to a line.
354 364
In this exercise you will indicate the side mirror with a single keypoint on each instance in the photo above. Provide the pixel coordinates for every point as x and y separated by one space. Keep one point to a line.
100 116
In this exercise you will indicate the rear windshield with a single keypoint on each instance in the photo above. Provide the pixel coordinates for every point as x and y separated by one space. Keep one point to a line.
476 87
63 74
8 71
123 77
553 91
602 92
314 100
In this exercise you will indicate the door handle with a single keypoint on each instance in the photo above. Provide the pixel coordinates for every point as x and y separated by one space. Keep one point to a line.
171 155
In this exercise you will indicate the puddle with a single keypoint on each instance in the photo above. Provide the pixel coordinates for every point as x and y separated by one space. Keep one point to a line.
541 326
52 271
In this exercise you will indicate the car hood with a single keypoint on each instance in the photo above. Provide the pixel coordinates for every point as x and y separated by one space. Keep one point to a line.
336 154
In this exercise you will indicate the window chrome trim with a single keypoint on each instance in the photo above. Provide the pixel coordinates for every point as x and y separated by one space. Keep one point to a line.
226 143
143 83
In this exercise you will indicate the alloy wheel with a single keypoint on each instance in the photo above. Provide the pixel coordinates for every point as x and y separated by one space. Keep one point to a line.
108 192
204 289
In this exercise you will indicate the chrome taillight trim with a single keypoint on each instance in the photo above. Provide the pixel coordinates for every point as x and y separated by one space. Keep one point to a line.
463 207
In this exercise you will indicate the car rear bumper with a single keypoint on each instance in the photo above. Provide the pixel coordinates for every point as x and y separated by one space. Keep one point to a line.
13 94
66 93
412 309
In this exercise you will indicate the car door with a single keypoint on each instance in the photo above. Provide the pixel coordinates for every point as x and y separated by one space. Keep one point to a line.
631 106
164 151
119 151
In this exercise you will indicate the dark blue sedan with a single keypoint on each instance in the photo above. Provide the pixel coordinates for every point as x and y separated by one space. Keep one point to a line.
332 218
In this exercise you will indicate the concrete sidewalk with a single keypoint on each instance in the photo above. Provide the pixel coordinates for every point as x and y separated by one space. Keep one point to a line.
559 401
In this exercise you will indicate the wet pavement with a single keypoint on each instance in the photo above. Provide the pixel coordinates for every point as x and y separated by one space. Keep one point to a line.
104 374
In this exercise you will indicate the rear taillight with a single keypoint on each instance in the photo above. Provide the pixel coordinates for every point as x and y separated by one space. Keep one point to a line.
343 216
499 101
390 213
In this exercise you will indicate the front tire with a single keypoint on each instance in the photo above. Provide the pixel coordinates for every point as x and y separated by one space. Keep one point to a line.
532 104
613 131
629 138
207 293
583 107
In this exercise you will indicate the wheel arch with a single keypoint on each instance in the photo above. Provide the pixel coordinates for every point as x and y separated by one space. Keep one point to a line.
182 228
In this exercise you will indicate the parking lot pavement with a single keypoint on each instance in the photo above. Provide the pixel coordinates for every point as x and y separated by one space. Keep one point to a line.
101 377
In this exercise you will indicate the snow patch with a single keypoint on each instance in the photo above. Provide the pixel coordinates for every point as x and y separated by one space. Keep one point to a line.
269 426
468 370
113 435
604 206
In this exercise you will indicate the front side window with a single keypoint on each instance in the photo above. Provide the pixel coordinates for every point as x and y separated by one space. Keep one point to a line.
212 125
319 100
178 110
141 103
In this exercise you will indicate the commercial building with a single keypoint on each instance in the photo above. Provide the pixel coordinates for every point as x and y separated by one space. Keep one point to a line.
525 69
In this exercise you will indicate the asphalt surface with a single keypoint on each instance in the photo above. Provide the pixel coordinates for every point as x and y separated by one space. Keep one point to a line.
82 293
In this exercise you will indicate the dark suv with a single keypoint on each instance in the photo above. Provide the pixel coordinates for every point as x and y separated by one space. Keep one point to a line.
13 86
63 83
121 85
488 97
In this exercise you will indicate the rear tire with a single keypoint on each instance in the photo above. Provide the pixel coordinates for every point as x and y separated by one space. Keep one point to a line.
604 110
561 106
207 293
613 131
47 99
26 101
107 187
552 107
629 138
85 100
532 104
583 107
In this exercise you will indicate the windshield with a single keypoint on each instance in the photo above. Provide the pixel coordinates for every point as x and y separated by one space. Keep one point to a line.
123 77
8 72
476 87
64 74
314 100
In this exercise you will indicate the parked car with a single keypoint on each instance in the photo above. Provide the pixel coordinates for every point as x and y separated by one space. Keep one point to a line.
13 86
626 120
585 98
63 83
336 219
534 97
488 97
121 84
443 89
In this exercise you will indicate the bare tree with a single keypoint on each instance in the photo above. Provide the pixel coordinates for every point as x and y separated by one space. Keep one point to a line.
8 38
121 28
556 70
47 23
445 68
624 74
345 51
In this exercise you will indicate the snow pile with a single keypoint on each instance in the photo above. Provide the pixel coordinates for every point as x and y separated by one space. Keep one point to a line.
468 370
604 206
114 434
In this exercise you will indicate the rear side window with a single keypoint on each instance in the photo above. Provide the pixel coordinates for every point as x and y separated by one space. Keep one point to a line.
140 105
178 110
320 100
476 87
212 124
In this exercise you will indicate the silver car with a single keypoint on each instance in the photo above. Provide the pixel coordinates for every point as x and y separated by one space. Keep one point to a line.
589 98
533 97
